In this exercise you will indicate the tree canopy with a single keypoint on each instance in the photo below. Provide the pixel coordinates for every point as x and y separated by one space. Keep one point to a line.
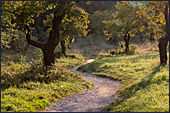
122 21
17 14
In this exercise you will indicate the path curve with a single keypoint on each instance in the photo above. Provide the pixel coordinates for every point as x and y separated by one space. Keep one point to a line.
94 100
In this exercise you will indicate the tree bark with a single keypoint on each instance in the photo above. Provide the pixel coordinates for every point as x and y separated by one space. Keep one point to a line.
48 57
163 42
127 39
162 50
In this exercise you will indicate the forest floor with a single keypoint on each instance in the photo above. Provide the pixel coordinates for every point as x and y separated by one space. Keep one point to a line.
93 100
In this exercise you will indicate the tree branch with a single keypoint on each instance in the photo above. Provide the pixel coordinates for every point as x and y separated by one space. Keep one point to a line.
32 42
54 37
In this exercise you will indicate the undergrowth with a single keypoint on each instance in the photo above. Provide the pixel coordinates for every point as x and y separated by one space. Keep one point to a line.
30 88
121 49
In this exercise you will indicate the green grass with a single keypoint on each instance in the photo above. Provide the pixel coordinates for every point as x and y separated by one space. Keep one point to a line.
70 62
30 88
145 84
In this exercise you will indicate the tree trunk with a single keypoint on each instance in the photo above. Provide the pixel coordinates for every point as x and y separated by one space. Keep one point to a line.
164 41
48 57
126 46
162 50
127 39
63 47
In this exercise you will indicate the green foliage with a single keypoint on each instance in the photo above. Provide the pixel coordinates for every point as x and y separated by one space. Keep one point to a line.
99 11
22 59
22 12
96 21
145 84
132 49
126 18
97 6
122 45
12 38
38 55
156 17
16 14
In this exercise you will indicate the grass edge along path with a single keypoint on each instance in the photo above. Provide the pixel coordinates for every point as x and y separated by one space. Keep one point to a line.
40 90
145 84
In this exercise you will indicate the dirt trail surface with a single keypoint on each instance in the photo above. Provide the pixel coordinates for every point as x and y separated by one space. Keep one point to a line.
93 100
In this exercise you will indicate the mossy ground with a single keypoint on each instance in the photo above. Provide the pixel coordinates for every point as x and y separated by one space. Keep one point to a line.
145 84
29 89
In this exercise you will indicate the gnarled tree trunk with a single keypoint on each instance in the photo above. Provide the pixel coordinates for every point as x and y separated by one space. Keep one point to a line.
53 41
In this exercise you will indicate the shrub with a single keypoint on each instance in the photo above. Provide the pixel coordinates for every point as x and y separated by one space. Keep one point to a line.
34 72
132 49
121 49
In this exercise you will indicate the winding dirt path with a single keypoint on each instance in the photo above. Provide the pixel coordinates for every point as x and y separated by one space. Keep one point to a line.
94 100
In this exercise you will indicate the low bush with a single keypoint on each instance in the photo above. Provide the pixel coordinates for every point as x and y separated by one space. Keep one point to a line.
121 49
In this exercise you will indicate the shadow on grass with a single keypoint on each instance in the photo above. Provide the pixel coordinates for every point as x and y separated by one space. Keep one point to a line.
144 82
129 92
